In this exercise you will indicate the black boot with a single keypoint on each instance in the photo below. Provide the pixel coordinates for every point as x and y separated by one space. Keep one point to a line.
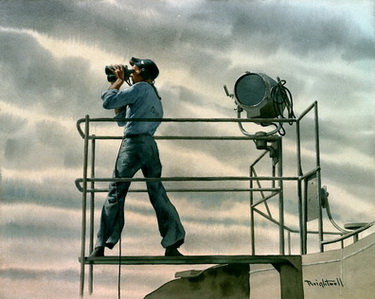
172 251
98 252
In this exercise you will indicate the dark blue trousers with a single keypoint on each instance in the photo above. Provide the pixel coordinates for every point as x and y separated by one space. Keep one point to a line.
138 152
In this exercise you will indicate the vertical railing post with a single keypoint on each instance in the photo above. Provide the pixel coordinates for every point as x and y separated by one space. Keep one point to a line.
92 211
84 201
304 215
252 221
319 183
299 189
281 197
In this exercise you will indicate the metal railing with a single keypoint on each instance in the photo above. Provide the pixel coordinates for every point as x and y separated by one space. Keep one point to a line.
87 184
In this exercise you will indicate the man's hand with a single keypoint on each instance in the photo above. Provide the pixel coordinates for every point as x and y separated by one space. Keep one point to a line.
119 72
117 111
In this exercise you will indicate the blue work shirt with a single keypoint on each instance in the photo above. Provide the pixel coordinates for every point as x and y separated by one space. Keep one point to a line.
142 101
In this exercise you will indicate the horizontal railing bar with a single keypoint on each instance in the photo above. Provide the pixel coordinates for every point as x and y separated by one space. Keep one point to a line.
274 221
190 120
220 138
294 260
195 190
190 179
348 235
208 120
181 179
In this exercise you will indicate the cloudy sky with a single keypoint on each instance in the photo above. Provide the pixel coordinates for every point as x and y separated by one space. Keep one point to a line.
52 58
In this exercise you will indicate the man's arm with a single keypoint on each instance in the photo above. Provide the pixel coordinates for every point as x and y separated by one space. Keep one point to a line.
117 84
117 111
119 73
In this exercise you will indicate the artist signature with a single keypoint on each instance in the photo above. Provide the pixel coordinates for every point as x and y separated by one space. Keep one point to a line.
325 283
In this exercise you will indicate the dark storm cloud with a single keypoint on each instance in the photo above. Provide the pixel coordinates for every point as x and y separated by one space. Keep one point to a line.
354 180
271 27
61 141
360 48
62 194
354 137
10 124
19 230
47 145
342 89
215 28
16 149
339 143
26 274
21 61
96 23
33 76
336 138
179 101
212 26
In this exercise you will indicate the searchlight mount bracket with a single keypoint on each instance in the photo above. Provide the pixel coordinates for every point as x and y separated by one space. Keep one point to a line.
262 97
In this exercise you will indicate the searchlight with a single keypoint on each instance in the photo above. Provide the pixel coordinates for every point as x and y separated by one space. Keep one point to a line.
262 97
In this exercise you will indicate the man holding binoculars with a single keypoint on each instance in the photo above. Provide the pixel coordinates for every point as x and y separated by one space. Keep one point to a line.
138 151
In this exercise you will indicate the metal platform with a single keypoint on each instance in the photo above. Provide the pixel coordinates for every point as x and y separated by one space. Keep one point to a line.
288 266
292 260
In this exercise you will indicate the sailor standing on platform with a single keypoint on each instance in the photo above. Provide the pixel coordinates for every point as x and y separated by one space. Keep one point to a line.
138 151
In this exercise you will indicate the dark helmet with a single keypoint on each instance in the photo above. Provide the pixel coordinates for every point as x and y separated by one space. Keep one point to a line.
148 68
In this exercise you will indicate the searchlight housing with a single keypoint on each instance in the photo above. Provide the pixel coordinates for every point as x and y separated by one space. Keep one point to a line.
253 94
262 97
